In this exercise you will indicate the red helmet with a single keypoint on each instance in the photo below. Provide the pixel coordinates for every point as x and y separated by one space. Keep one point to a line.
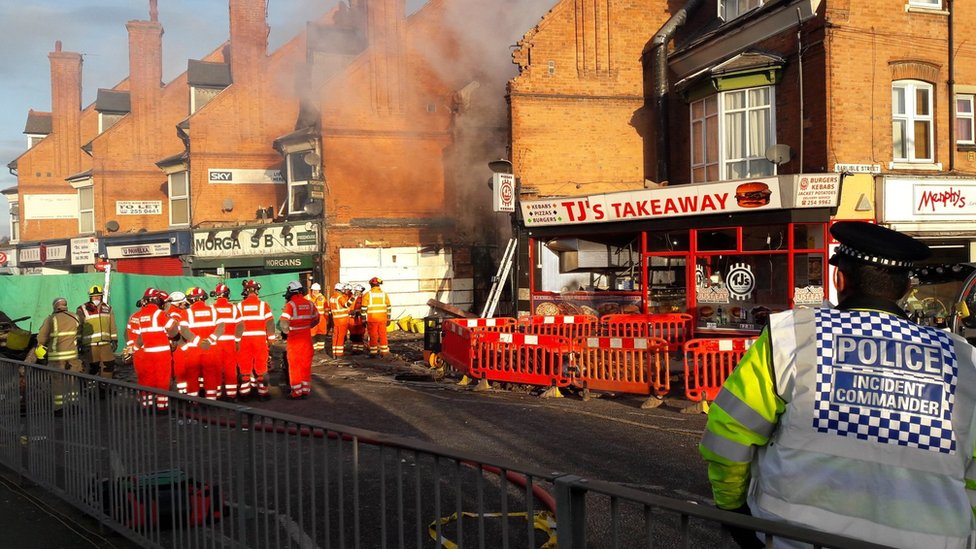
163 296
220 290
250 286
150 293
375 281
196 294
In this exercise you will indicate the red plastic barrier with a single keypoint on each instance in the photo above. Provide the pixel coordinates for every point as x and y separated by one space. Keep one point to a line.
571 326
522 358
622 364
708 362
457 339
675 328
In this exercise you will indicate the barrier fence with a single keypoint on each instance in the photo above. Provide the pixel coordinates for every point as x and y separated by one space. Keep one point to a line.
708 362
624 364
210 474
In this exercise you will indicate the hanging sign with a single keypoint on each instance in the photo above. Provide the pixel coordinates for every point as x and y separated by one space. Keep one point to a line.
503 192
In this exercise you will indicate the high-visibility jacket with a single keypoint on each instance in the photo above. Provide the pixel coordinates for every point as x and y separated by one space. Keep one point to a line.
376 305
59 333
255 319
151 329
97 324
201 321
227 319
298 316
340 305
851 421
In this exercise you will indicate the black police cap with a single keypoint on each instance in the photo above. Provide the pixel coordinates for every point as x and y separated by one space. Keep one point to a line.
876 245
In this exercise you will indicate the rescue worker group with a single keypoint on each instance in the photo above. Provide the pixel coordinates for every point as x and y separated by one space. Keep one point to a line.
219 350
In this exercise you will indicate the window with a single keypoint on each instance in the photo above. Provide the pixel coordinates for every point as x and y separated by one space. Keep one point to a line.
299 174
731 9
14 220
730 133
108 119
199 97
86 209
179 199
965 130
33 139
931 4
911 121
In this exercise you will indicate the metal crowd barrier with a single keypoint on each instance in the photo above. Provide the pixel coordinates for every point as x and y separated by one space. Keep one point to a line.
211 474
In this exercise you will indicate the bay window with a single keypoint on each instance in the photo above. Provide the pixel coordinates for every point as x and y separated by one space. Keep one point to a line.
300 173
730 133
179 199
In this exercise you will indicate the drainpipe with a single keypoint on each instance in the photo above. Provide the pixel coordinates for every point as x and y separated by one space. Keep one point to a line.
659 45
952 94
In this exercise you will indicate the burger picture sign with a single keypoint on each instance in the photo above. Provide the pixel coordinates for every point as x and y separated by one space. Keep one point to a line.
754 194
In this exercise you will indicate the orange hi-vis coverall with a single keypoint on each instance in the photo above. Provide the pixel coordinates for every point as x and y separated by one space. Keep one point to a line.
376 308
201 359
357 326
340 305
298 317
226 345
181 316
322 328
256 331
151 329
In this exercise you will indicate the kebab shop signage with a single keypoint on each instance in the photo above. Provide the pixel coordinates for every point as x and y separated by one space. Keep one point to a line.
680 200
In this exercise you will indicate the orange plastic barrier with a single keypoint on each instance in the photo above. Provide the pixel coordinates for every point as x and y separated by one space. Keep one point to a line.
571 326
457 339
708 362
622 364
675 328
522 358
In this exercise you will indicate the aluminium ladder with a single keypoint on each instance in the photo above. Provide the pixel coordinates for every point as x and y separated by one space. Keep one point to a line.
498 281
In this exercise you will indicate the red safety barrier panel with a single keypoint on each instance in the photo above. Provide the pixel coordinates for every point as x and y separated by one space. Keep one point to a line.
708 362
622 364
457 339
571 326
675 328
522 358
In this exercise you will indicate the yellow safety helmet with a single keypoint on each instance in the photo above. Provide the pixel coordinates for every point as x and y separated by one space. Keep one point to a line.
95 290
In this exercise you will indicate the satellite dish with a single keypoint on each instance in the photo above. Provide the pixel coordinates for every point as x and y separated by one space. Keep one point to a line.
112 226
313 207
312 158
779 154
228 204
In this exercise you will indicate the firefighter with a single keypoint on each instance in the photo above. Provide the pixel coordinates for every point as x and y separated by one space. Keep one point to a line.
152 329
297 319
256 331
357 323
201 362
177 310
321 330
99 336
57 341
225 341
376 308
339 306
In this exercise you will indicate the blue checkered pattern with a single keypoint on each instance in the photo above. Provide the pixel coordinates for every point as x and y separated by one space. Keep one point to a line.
880 425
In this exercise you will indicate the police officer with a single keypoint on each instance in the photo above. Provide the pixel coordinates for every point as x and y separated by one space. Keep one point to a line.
99 336
852 419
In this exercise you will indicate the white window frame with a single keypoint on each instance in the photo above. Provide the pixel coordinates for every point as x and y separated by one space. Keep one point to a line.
926 4
723 159
101 121
910 118
88 187
193 96
297 156
31 137
171 197
965 117
729 10
14 203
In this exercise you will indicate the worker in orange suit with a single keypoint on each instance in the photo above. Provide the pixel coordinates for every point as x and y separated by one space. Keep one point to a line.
201 362
225 342
256 331
177 310
297 319
152 359
357 322
321 330
376 308
339 306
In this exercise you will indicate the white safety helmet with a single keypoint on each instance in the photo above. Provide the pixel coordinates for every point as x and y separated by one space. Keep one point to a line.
177 297
316 286
338 286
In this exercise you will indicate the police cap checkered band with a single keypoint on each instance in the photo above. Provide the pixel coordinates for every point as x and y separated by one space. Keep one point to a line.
873 244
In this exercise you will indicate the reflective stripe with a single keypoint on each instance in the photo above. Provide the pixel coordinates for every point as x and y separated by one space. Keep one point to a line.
261 333
741 412
156 349
731 450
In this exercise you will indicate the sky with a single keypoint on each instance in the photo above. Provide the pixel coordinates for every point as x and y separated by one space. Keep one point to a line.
96 29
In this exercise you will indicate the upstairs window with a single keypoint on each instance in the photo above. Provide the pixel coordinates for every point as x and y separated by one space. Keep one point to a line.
179 199
108 119
300 172
930 4
732 9
33 139
912 132
86 209
200 96
730 134
965 128
14 220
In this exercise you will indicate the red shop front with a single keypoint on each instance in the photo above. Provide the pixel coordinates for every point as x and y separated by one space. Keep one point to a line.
684 249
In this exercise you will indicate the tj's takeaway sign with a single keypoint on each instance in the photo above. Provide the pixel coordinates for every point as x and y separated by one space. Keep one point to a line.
251 241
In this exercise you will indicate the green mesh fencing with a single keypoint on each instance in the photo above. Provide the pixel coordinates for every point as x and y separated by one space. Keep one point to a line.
32 295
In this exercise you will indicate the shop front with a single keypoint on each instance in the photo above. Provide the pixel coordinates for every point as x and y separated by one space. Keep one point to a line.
257 250
147 253
939 210
48 257
729 253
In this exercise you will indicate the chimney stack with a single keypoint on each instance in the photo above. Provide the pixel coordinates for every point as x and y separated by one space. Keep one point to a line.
248 40
66 109
385 22
145 65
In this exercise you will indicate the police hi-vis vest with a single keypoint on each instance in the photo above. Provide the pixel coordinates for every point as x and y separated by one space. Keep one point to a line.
877 437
